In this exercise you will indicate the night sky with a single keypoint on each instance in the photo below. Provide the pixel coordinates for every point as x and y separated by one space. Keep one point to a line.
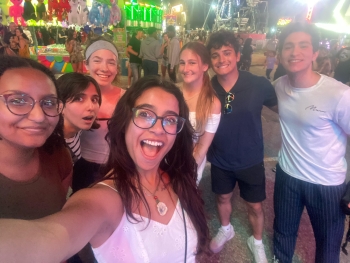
198 9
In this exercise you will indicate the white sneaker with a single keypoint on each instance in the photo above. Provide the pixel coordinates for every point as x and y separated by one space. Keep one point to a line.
218 242
257 250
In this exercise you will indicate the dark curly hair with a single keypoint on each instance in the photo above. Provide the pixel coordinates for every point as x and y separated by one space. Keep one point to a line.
178 162
56 139
223 38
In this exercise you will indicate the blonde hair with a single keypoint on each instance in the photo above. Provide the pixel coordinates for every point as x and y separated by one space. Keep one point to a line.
206 96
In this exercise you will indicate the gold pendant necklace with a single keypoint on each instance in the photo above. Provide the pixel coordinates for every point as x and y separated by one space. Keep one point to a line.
161 207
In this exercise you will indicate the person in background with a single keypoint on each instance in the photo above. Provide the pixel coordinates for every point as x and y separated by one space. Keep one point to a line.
134 51
204 106
270 62
35 165
147 205
150 51
29 11
314 113
173 53
102 62
74 49
342 69
83 36
246 58
323 61
23 44
14 44
41 10
165 61
10 33
62 35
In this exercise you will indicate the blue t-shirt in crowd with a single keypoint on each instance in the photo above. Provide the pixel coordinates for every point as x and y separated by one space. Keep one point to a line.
238 142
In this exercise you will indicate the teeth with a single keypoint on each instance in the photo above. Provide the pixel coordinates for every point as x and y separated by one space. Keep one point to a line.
152 143
103 76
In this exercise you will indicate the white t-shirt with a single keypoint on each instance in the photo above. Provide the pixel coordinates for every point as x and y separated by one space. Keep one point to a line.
315 122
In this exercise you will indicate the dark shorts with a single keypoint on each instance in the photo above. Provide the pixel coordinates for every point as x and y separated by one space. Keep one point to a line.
251 182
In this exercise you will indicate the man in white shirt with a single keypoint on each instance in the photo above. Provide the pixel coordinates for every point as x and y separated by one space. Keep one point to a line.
315 121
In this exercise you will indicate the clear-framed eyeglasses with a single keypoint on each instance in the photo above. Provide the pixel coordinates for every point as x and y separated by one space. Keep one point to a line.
145 119
21 104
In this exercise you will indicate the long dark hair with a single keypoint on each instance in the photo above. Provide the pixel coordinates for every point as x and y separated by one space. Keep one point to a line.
56 139
178 163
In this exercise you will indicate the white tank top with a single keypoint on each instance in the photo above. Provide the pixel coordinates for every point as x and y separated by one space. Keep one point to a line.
211 126
94 147
149 243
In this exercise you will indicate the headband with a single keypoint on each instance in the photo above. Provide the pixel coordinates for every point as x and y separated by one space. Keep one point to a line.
100 44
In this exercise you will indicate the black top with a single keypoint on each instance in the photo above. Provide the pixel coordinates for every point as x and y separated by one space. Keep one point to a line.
40 10
247 51
135 44
238 142
29 11
342 71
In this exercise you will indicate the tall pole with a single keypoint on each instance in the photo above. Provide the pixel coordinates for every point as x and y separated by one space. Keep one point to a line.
205 21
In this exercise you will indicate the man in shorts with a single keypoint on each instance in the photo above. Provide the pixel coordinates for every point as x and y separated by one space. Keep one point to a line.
237 151
315 121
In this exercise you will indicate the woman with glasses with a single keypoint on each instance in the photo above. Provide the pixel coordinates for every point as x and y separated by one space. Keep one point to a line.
147 208
204 106
102 62
35 165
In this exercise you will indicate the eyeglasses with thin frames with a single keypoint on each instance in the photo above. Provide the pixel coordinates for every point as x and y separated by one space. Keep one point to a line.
21 104
145 119
228 99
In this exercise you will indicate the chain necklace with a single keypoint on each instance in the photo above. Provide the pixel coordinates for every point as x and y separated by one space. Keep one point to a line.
193 96
161 207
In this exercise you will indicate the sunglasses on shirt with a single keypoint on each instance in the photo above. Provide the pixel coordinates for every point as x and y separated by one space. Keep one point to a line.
228 99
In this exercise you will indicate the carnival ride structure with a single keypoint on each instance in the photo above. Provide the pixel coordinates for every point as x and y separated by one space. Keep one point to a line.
241 15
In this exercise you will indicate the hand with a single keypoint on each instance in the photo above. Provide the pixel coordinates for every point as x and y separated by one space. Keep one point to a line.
349 205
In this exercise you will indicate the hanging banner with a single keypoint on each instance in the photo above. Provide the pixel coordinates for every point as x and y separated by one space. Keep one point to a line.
170 20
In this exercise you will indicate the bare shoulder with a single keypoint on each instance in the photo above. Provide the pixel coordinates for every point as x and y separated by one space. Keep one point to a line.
216 106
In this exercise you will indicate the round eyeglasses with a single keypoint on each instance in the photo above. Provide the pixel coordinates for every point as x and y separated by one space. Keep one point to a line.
21 104
145 119
228 99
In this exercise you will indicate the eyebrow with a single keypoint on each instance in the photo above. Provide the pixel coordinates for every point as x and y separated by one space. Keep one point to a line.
302 42
168 112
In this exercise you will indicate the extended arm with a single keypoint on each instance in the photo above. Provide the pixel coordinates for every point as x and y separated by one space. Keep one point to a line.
87 217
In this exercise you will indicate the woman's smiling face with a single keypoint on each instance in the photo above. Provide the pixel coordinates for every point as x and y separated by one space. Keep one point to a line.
103 66
147 147
32 129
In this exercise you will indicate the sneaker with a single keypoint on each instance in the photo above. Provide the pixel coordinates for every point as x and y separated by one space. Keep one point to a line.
257 250
218 242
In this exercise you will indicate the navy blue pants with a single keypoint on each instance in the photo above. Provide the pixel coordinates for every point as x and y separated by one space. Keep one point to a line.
323 206
150 68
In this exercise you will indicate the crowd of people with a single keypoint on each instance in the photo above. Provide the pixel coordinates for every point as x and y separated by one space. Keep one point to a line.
134 158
